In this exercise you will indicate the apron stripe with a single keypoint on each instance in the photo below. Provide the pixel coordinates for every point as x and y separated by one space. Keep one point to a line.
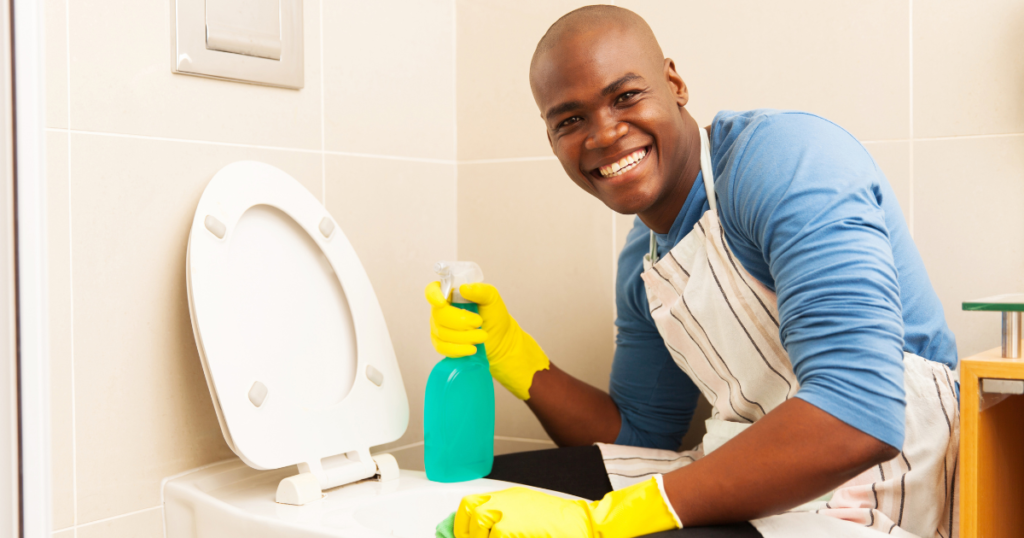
769 333
712 365
677 356
650 459
903 487
742 275
952 498
633 475
745 331
941 404
673 256
708 338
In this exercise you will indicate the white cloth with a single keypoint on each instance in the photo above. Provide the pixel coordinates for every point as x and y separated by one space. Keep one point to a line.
721 326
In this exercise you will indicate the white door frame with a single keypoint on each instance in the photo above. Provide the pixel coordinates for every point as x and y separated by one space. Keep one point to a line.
30 267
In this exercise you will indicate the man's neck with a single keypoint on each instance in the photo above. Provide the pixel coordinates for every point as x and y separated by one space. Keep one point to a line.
662 215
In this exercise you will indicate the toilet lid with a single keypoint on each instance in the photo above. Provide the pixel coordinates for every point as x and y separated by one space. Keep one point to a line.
295 349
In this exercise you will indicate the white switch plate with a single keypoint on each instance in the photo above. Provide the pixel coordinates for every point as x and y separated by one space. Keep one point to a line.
253 63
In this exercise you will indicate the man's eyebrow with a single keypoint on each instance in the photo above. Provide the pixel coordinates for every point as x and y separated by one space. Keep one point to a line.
562 108
614 86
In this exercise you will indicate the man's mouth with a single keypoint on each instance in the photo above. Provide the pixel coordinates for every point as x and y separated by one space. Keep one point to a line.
624 164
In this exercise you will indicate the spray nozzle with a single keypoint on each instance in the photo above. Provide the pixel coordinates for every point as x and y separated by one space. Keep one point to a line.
455 274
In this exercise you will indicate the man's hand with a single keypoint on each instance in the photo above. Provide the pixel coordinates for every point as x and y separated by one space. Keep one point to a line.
513 354
572 412
523 513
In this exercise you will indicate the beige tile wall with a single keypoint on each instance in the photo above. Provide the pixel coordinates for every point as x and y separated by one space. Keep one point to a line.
417 129
131 147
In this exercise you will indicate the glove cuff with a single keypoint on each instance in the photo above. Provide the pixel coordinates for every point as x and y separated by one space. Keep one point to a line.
515 371
638 510
664 497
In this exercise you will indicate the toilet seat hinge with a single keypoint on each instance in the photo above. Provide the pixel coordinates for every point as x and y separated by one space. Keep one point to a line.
341 469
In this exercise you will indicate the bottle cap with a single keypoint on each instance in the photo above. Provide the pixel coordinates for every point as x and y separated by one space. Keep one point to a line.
455 274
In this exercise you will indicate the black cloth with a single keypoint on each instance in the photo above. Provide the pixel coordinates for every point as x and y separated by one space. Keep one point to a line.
580 471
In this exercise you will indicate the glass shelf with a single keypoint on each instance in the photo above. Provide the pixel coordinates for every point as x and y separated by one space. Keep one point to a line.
1010 302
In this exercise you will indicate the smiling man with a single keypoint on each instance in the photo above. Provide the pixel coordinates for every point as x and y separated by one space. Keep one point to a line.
771 269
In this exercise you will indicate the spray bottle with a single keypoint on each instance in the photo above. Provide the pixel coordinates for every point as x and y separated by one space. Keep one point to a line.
458 408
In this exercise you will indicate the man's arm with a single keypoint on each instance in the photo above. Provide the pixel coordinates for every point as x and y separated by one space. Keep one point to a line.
793 455
572 412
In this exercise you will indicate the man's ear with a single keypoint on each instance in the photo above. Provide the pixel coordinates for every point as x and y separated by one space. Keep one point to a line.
675 82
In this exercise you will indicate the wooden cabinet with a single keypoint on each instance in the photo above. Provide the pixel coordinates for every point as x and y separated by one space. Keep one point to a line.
991 451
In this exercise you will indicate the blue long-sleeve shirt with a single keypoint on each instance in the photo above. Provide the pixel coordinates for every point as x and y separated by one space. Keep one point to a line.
808 213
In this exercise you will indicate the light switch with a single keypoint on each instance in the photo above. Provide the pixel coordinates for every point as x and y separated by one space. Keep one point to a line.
254 41
250 27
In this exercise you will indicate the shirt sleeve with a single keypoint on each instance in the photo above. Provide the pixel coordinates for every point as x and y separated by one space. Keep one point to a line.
805 196
656 399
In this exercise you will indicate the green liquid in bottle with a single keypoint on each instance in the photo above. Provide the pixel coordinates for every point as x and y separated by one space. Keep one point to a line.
458 417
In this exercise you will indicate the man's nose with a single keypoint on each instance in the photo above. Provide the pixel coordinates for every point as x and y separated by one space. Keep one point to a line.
607 135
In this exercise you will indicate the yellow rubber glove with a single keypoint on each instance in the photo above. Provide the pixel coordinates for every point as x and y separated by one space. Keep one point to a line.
524 513
513 354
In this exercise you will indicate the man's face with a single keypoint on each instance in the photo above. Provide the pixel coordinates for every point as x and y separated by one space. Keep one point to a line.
613 117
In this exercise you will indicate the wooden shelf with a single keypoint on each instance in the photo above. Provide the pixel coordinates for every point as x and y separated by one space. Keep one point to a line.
991 451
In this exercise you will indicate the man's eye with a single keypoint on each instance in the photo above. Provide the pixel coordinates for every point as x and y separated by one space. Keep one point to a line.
567 122
626 97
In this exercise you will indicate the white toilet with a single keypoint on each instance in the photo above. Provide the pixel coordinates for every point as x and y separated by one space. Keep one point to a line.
302 373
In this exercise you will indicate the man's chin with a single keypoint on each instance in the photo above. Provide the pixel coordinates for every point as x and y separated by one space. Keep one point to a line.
630 207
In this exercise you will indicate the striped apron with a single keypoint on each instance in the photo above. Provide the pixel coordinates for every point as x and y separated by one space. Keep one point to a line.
721 326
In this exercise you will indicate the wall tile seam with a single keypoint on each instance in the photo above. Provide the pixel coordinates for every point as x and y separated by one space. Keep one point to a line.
508 160
107 519
71 278
455 83
397 448
427 160
323 112
910 122
455 119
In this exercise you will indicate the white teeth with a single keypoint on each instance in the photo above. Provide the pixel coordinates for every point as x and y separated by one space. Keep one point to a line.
624 164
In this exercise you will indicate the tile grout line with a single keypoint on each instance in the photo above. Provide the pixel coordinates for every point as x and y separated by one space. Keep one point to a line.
71 281
509 160
254 146
111 518
910 99
403 447
455 117
323 115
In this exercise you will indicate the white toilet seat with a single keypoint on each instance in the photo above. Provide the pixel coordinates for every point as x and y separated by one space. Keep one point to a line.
292 339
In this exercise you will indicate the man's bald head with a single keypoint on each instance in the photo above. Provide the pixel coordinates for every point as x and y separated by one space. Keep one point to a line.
592 22
607 94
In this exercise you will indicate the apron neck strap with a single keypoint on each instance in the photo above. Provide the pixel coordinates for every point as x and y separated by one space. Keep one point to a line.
709 184
705 167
